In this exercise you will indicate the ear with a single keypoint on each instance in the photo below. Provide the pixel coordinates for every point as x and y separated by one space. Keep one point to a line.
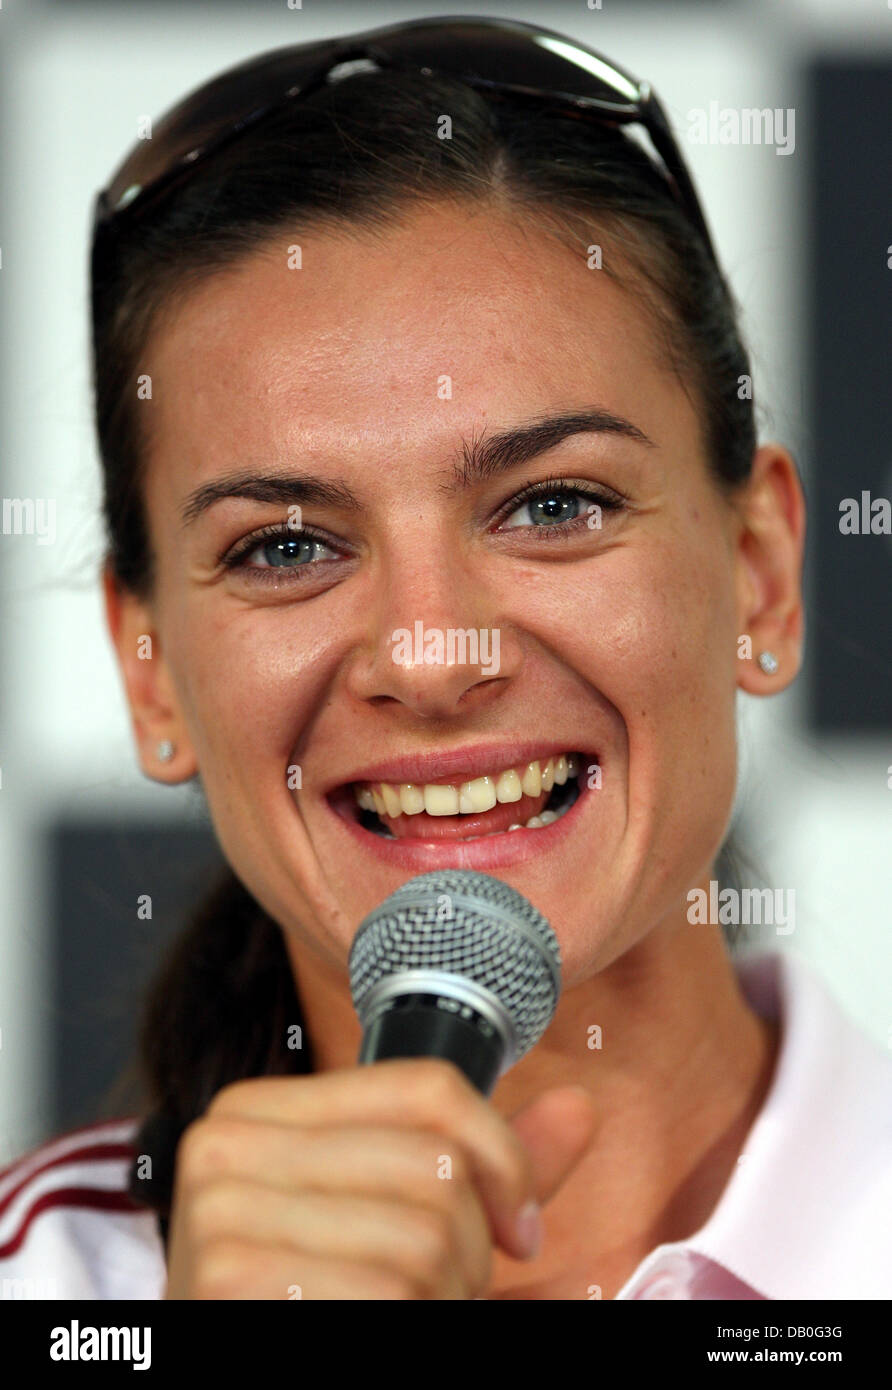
770 547
150 692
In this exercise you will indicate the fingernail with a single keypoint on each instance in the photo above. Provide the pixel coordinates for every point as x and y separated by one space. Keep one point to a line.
529 1230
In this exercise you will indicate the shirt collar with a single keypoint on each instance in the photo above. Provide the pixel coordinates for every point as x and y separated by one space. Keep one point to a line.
800 1215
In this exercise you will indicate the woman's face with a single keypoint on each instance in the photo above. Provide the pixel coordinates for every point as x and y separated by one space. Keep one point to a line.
376 370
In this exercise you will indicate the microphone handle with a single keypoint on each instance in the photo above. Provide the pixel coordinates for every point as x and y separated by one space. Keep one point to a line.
433 1025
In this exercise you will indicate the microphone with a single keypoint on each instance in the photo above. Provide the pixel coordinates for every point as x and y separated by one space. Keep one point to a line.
455 964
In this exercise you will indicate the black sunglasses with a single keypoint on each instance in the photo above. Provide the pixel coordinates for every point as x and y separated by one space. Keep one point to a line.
490 54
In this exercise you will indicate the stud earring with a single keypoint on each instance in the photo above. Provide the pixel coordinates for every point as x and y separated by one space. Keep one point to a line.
768 662
166 751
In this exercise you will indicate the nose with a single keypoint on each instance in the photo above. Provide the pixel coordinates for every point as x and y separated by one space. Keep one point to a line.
434 643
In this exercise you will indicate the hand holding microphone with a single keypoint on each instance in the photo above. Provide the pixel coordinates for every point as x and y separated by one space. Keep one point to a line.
393 1180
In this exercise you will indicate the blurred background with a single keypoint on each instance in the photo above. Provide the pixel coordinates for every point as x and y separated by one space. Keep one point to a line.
805 237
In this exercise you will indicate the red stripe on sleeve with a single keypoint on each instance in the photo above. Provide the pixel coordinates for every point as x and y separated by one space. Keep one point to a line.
84 1197
88 1153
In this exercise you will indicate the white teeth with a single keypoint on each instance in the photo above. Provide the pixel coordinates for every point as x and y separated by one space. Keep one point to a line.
508 787
531 781
468 798
479 795
534 823
440 801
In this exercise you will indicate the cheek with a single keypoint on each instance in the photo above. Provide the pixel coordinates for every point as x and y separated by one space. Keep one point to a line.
649 623
650 627
248 681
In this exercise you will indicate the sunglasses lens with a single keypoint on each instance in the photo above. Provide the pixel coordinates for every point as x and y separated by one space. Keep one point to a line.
502 54
515 56
206 113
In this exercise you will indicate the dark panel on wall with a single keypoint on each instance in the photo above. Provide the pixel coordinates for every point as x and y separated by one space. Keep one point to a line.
103 954
849 221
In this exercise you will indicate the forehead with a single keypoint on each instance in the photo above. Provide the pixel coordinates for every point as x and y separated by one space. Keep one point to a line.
455 316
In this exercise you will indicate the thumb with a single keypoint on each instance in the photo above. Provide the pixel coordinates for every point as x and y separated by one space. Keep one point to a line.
556 1128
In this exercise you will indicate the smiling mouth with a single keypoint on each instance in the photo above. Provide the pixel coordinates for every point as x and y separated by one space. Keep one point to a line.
524 797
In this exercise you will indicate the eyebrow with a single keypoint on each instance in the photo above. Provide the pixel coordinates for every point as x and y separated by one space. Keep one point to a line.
482 458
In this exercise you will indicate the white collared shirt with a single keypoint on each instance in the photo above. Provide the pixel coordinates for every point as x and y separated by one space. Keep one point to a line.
807 1212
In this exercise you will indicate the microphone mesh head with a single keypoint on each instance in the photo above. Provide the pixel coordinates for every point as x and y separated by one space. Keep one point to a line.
458 922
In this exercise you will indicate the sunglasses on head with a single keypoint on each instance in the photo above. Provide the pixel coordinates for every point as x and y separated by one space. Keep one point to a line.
494 56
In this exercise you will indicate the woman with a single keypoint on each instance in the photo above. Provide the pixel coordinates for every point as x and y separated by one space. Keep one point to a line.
412 348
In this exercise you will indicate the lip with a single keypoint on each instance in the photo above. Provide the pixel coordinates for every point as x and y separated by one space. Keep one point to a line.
497 851
455 764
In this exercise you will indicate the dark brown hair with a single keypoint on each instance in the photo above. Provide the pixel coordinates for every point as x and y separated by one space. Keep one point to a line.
359 154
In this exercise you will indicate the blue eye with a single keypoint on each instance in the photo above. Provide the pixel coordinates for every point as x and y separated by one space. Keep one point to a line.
282 549
551 506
